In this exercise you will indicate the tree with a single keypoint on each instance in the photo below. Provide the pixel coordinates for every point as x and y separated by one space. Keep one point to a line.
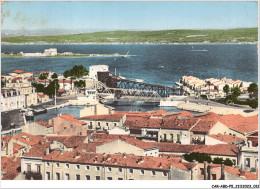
54 76
2 84
39 87
236 91
253 103
43 76
76 71
228 162
218 160
226 89
50 89
200 157
253 88
80 83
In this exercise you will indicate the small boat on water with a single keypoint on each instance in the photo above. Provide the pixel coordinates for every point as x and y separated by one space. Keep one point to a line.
139 80
39 111
29 115
126 55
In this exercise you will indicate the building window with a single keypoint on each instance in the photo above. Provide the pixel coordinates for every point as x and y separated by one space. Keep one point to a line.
131 171
98 123
57 165
71 126
214 177
141 172
153 173
120 170
202 171
171 136
57 176
28 168
106 124
77 166
48 175
114 124
234 161
120 178
87 177
247 162
87 167
97 177
90 124
165 136
97 168
164 173
109 169
38 169
77 177
109 178
67 165
67 176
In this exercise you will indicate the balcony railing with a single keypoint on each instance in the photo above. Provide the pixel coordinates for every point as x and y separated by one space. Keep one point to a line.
32 175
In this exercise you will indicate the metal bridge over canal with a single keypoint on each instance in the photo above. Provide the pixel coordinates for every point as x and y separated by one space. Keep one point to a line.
128 90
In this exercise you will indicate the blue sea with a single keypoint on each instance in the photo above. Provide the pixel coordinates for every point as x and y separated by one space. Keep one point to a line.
157 64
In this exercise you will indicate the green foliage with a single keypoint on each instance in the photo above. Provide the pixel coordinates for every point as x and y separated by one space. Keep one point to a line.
49 90
200 157
236 91
204 97
253 88
76 71
253 103
2 84
54 76
218 160
228 162
39 87
80 83
163 36
178 138
43 76
226 89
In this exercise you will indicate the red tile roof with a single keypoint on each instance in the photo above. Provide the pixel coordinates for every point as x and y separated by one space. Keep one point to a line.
43 123
6 139
10 167
66 81
235 171
72 118
177 148
69 141
226 138
27 138
219 149
45 72
133 161
41 95
106 117
239 123
204 126
38 150
15 79
18 146
18 71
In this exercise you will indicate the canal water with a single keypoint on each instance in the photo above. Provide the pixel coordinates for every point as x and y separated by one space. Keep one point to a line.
157 64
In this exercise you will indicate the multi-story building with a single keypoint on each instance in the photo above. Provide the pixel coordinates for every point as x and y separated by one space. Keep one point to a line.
12 99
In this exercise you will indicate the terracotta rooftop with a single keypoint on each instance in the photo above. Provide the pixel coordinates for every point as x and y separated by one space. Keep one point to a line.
38 150
15 79
18 146
133 161
43 123
235 171
226 138
18 71
27 138
178 148
41 95
10 167
106 117
69 141
219 149
6 139
72 118
203 126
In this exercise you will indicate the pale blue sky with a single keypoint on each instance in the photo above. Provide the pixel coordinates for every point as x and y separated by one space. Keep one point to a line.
128 15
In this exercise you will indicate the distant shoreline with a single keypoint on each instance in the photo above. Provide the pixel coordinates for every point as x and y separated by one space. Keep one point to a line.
135 43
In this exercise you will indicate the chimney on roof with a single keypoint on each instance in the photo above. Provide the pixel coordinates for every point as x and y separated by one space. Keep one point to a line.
115 161
103 160
95 160
160 165
124 155
47 151
140 160
108 157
